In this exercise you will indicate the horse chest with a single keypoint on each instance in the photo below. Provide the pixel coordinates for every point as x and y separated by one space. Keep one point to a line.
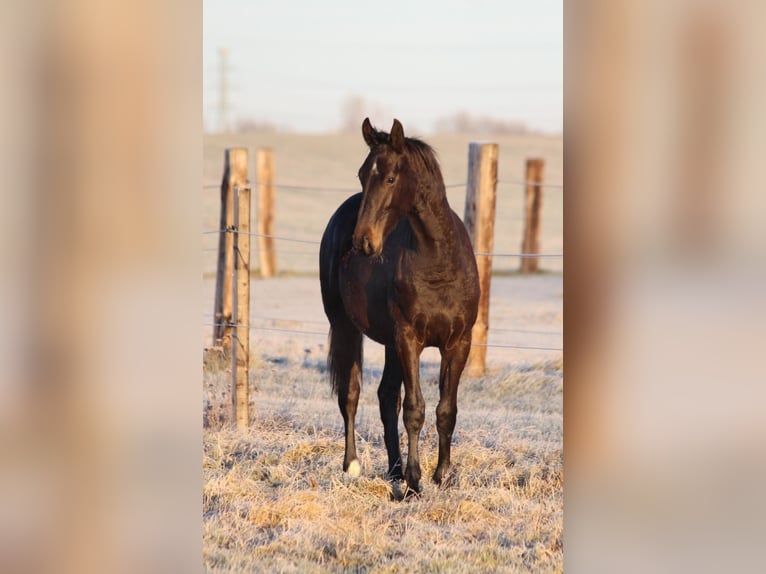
429 309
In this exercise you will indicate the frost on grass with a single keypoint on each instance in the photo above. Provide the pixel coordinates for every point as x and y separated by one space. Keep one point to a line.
276 499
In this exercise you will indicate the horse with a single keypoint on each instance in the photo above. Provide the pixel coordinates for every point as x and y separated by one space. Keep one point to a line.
396 264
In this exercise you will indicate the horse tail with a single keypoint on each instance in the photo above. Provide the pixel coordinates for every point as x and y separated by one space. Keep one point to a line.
345 352
345 348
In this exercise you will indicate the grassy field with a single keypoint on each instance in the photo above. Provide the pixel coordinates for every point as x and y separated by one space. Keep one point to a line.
275 498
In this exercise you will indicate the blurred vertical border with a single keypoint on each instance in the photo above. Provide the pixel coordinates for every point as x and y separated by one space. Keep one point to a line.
665 245
664 291
101 167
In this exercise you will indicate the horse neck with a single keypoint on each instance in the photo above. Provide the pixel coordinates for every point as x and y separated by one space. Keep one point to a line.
431 216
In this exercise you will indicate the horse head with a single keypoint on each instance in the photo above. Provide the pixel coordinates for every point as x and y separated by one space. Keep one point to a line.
387 187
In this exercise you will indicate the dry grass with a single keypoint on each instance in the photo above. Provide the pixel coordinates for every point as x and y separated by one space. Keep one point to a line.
275 498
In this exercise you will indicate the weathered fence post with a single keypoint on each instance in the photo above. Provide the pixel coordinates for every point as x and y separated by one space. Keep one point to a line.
480 199
265 171
532 208
240 349
234 174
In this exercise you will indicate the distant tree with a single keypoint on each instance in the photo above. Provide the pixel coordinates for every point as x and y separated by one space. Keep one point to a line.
462 123
354 109
250 125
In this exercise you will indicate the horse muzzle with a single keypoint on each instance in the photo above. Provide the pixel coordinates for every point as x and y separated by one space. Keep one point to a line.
366 244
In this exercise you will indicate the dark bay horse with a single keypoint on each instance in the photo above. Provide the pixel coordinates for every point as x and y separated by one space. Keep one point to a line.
396 264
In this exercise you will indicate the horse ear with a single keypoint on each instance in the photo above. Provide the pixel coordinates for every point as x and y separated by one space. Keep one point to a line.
368 132
397 136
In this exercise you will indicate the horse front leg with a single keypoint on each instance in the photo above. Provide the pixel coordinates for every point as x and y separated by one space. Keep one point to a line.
408 349
452 365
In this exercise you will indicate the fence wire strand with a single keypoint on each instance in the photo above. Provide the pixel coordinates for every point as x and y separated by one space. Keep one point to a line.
326 324
315 242
325 333
530 183
294 187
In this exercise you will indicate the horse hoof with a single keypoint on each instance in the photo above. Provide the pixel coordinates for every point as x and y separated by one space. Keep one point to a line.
411 490
394 476
403 490
354 469
445 481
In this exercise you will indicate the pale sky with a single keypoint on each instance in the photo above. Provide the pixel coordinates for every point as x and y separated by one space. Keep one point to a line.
294 63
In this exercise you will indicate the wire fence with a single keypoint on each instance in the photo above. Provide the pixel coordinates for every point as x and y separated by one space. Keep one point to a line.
316 242
310 332
291 187
324 334
294 187
327 326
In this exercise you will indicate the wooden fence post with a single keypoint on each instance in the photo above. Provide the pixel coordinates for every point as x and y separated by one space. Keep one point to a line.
480 199
241 345
267 255
234 174
532 208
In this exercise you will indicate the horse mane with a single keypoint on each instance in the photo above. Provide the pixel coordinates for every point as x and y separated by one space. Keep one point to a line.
416 148
425 155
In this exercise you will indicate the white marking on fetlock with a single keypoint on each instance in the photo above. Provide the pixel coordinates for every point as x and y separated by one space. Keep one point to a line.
354 469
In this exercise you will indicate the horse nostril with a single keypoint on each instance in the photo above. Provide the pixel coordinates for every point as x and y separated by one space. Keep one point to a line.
363 244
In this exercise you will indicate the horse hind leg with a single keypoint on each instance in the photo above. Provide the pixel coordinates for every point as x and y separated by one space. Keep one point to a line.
452 365
390 400
345 367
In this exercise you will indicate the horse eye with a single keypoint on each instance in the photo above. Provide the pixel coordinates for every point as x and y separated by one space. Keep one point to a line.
390 180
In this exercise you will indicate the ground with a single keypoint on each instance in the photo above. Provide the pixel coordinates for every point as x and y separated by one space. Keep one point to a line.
275 497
